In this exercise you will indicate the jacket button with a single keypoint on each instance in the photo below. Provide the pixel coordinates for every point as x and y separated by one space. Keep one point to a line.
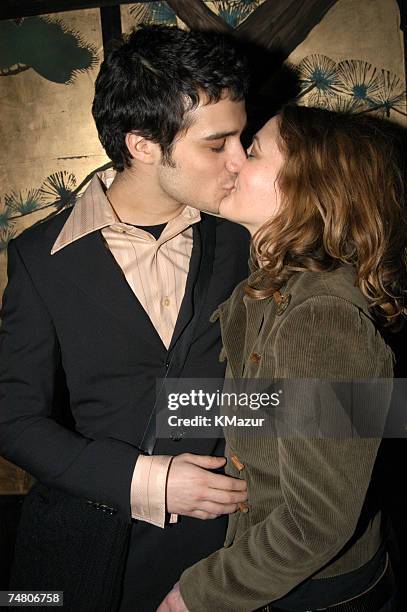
254 358
237 463
176 436
107 509
284 302
243 507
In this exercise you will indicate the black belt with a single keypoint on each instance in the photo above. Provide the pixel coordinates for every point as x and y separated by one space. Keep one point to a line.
369 601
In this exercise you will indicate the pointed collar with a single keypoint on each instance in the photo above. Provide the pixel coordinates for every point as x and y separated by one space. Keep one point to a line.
93 212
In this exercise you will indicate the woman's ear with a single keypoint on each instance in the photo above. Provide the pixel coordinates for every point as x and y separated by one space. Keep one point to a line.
141 149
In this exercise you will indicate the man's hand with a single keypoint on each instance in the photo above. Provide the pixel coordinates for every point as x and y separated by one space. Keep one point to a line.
173 602
192 490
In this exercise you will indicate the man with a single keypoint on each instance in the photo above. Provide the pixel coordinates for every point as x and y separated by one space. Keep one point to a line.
112 296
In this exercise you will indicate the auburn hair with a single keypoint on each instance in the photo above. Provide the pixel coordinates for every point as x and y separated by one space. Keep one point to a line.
342 203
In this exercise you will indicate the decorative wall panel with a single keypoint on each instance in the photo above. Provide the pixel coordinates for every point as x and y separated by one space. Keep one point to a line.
348 54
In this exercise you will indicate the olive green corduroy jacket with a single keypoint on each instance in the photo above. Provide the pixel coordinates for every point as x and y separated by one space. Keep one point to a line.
305 495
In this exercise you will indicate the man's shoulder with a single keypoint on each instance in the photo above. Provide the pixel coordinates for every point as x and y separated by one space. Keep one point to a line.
41 236
232 235
224 225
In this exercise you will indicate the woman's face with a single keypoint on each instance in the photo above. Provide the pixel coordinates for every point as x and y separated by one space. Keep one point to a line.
256 195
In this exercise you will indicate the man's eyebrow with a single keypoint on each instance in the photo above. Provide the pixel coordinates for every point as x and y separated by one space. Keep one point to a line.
219 135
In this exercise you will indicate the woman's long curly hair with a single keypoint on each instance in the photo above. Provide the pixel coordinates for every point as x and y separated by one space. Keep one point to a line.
342 203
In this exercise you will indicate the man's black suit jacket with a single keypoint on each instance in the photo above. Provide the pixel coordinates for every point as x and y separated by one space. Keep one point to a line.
74 313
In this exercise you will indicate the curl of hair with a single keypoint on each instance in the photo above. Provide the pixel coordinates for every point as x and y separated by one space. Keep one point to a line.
343 202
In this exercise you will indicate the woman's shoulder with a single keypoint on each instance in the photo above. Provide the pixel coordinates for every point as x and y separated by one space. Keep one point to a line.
317 286
304 287
328 329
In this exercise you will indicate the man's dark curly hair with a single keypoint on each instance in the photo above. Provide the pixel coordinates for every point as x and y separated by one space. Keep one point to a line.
150 83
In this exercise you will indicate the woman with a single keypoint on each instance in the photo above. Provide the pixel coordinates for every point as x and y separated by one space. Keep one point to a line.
321 195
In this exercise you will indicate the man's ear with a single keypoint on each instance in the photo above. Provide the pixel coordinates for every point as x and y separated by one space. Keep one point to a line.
142 149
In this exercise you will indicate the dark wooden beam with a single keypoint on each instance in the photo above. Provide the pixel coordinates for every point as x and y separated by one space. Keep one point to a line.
12 9
283 24
196 15
110 20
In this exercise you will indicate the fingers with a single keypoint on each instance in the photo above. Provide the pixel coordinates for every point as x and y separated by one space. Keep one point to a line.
226 483
210 510
218 509
224 497
216 481
204 516
205 461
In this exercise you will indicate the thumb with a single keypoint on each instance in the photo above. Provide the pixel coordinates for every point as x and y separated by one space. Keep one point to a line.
207 462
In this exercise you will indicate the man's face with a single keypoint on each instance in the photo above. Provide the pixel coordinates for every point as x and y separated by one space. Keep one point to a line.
207 157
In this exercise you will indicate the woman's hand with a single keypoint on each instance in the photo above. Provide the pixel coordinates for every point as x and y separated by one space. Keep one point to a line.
173 602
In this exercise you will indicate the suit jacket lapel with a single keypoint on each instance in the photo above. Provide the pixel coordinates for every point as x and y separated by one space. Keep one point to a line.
91 266
200 273
186 310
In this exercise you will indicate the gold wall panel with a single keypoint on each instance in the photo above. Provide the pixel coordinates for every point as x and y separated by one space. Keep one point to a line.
49 142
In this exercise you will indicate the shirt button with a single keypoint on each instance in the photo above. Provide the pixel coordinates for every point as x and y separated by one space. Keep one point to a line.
254 358
166 301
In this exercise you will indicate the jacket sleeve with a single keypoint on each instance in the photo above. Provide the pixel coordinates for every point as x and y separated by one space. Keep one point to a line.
323 481
99 470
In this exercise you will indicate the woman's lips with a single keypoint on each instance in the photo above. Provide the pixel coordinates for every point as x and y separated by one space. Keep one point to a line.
231 188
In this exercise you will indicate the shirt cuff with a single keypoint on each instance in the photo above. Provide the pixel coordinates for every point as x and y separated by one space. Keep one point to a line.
148 489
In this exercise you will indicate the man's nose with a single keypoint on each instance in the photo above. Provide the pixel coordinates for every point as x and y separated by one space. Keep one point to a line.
236 159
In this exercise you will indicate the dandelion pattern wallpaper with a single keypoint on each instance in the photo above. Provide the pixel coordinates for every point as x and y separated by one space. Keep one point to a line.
347 54
351 85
